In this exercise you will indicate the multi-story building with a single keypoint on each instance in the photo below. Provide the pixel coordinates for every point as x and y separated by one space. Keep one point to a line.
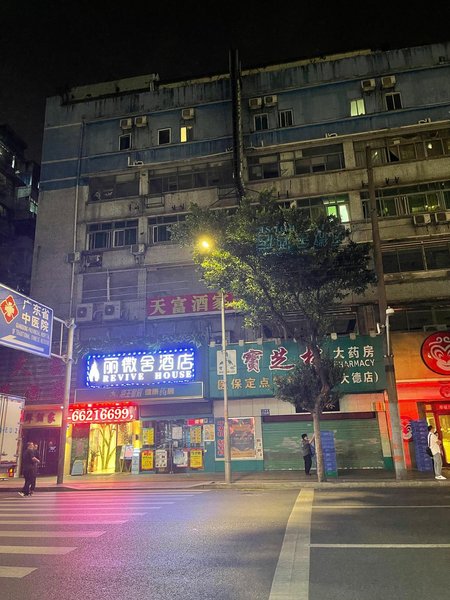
123 161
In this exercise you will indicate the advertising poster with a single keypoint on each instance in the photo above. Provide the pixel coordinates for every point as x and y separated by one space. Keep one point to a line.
196 459
209 432
177 432
242 437
147 460
180 457
148 436
161 459
196 435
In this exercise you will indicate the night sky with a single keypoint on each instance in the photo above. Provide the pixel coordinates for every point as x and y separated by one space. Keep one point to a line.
49 45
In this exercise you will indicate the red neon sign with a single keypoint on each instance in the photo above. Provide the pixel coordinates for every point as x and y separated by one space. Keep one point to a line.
106 412
435 352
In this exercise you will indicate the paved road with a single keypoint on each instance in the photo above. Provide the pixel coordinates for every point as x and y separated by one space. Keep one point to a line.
225 545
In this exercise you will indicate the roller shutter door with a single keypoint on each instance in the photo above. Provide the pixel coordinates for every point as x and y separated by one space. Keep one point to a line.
358 444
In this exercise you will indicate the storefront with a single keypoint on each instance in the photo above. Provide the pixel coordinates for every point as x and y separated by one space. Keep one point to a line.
422 366
42 425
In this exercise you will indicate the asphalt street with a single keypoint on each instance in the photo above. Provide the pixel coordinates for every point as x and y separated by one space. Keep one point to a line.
225 544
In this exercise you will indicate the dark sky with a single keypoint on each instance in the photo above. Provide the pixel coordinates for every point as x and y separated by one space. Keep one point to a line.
46 45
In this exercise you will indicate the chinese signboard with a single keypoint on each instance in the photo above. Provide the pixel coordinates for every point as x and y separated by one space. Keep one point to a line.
140 368
102 413
187 304
24 323
183 391
42 418
254 366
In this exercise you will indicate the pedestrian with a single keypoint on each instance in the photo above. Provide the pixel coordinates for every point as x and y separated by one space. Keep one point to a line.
29 470
307 452
435 445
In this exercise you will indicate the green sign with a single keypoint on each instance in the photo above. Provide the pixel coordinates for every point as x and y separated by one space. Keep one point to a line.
252 366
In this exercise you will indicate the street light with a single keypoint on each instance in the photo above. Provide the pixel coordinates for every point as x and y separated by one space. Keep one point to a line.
205 245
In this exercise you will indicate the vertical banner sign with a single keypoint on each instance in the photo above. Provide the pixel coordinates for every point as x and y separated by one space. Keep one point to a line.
147 460
196 459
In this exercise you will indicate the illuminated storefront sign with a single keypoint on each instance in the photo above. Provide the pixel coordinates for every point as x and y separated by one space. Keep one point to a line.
435 352
187 304
140 368
117 412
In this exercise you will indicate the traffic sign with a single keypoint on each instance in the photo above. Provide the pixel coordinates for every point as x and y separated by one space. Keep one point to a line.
24 323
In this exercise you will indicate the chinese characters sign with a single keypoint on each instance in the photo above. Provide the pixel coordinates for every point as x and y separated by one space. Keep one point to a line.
25 324
253 366
187 304
102 413
140 368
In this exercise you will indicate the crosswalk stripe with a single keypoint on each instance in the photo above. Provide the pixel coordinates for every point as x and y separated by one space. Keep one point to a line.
16 572
50 534
36 549
58 522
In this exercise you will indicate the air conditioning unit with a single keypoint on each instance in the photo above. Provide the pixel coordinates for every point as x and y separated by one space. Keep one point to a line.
442 216
137 249
140 121
73 257
111 310
388 81
84 313
368 85
331 135
126 123
423 219
255 103
93 260
187 113
270 100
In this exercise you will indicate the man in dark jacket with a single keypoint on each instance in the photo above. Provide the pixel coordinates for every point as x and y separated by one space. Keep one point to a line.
307 452
29 470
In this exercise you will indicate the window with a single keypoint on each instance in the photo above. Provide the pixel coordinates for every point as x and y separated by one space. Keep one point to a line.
393 101
112 235
125 141
424 257
160 228
357 107
214 174
285 118
261 122
337 206
186 134
110 188
164 136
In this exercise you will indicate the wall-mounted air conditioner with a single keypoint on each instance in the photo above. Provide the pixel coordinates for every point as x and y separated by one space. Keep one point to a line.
84 313
331 135
73 257
424 121
388 81
270 100
141 121
255 103
423 219
111 310
187 113
126 123
137 249
93 260
442 216
368 85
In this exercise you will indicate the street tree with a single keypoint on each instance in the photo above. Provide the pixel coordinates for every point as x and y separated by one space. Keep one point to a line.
288 272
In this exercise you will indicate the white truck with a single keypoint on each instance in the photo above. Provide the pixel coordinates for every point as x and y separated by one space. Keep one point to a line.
11 413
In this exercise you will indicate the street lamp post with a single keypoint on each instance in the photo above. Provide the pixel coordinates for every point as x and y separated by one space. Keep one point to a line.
226 429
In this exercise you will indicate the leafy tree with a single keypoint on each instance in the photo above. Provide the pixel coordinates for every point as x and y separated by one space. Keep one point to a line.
285 271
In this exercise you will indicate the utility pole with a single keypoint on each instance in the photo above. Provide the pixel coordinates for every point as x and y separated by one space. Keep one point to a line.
391 384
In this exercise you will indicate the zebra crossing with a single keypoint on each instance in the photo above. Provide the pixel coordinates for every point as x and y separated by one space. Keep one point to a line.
31 524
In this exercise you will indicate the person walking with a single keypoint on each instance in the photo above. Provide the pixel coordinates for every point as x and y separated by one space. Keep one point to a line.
307 452
29 470
435 445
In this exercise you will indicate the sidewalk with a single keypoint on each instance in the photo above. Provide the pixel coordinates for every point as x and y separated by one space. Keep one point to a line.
241 480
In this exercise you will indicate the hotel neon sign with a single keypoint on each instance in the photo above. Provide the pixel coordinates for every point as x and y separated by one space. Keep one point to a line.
140 368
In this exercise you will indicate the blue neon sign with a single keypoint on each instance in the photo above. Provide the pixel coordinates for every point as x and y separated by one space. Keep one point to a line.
140 368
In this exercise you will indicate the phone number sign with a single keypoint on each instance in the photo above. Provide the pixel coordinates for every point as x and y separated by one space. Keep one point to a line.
103 413
24 323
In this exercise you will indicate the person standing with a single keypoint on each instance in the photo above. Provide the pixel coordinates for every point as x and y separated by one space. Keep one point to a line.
29 470
435 445
307 452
